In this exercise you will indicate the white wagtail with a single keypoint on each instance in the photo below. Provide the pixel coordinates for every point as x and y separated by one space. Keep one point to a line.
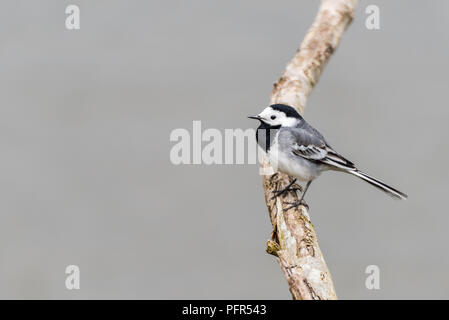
299 150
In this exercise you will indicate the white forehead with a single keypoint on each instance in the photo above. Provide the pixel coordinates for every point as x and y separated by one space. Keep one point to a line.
269 111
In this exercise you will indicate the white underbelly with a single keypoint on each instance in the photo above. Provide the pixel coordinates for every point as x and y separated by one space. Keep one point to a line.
295 166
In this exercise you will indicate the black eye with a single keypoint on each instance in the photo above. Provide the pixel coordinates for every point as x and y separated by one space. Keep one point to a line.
273 117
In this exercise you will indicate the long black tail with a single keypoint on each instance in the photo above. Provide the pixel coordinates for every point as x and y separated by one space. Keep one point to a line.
380 185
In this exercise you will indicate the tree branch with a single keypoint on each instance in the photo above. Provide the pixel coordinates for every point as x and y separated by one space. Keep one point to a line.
293 239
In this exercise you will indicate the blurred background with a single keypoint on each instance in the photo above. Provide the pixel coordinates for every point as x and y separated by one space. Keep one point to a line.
86 177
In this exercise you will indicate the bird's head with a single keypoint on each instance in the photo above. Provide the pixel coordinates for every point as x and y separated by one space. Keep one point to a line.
278 115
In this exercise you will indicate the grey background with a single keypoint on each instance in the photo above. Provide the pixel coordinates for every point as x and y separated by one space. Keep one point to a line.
85 119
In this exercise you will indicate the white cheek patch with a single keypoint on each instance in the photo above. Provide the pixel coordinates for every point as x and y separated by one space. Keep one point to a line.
289 122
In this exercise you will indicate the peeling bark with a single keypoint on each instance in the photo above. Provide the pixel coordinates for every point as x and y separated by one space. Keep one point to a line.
293 239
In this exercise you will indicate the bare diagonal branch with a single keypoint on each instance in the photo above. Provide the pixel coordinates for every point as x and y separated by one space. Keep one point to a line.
294 240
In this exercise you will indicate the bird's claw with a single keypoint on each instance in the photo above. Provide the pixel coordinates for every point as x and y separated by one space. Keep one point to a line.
285 191
291 187
296 204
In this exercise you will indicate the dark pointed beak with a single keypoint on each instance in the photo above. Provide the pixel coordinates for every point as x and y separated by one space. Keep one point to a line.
255 117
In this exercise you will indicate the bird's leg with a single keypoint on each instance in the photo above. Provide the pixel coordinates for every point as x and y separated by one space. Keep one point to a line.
299 202
286 189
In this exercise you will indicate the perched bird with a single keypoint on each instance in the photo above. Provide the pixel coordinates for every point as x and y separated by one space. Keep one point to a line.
296 148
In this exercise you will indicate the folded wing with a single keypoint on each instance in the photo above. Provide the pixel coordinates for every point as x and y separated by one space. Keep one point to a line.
311 145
